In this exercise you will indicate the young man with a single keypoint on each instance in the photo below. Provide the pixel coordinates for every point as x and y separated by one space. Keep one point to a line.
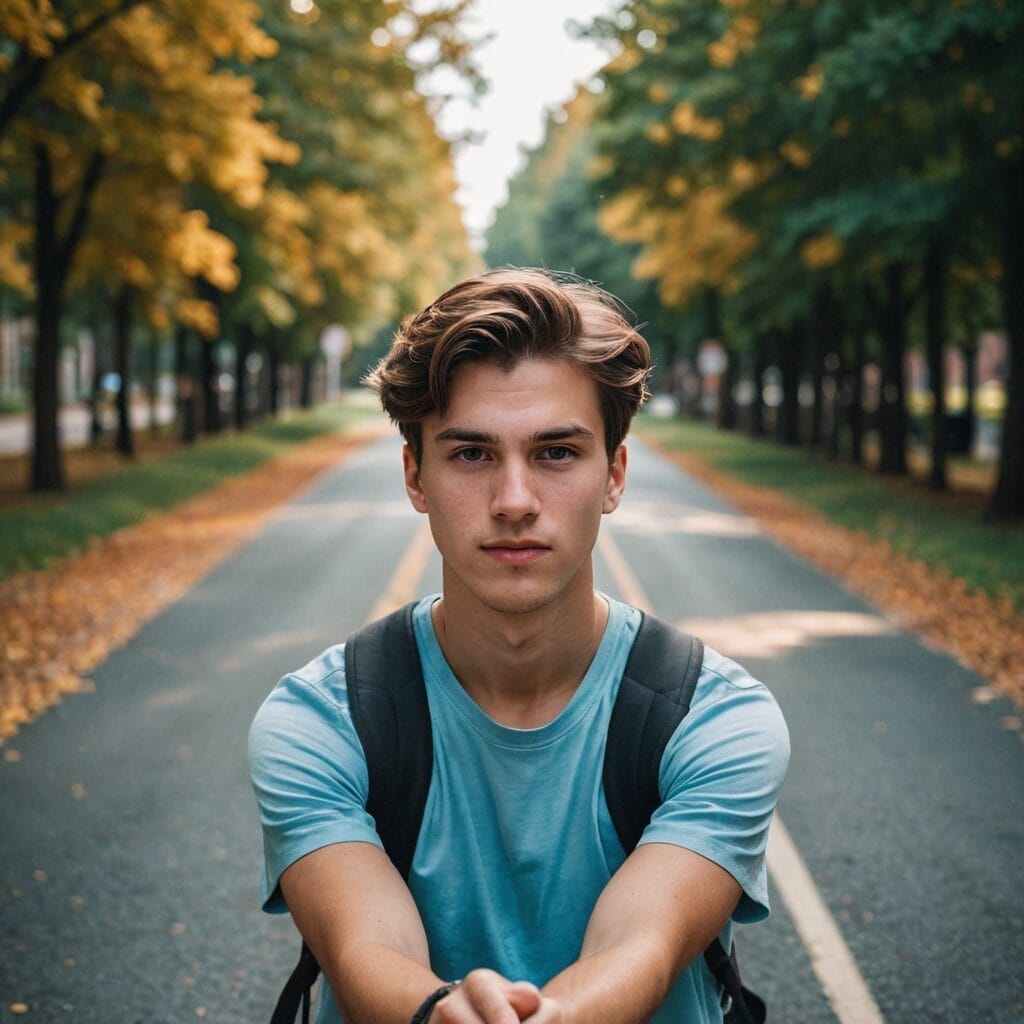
514 392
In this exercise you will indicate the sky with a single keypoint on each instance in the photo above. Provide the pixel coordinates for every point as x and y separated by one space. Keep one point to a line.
533 65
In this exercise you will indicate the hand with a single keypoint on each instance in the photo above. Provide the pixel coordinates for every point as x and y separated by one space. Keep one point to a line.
485 997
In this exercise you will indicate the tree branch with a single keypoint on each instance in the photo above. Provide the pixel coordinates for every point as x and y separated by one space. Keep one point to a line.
29 71
90 179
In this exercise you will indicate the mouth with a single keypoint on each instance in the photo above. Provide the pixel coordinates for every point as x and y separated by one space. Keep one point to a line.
519 552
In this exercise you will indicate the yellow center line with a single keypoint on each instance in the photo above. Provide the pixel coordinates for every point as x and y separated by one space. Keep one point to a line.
830 957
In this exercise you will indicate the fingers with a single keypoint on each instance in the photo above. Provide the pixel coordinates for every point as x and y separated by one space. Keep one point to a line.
524 998
485 997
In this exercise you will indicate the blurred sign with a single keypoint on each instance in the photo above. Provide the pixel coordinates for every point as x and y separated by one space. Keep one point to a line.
334 344
711 359
334 341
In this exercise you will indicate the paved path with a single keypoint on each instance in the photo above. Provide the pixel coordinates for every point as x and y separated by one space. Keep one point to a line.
130 847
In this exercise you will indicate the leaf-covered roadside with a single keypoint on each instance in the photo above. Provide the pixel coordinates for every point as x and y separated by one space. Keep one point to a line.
985 634
58 625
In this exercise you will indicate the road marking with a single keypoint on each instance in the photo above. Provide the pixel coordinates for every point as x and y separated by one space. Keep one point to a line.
831 959
405 580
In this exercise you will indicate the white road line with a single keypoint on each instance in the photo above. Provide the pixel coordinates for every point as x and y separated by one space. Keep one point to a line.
406 578
831 959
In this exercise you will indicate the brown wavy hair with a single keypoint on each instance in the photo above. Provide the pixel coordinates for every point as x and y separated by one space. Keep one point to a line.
506 316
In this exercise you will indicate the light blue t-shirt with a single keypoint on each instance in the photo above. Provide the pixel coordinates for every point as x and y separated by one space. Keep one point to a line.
517 842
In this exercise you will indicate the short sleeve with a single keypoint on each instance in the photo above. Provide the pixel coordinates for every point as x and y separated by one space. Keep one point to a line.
308 771
720 778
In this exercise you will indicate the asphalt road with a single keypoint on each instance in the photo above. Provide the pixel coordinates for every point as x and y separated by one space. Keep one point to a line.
130 847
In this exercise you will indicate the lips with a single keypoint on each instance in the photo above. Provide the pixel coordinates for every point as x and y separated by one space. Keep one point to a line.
518 552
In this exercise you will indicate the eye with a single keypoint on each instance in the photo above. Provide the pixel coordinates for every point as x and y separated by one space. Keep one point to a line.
557 453
469 455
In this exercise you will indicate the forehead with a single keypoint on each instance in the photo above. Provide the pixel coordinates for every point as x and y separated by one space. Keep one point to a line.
530 389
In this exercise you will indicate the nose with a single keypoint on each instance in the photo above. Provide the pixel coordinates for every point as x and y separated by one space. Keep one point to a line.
515 496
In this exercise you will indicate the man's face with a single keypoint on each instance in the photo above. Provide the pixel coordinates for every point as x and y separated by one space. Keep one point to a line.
515 479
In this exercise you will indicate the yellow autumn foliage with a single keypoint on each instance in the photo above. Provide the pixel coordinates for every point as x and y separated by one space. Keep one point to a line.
821 251
197 314
32 24
686 121
658 92
687 247
659 133
809 85
795 154
739 38
15 271
202 252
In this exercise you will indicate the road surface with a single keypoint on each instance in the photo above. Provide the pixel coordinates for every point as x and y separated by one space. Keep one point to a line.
129 835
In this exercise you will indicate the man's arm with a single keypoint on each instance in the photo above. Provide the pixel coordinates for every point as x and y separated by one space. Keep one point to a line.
657 914
359 919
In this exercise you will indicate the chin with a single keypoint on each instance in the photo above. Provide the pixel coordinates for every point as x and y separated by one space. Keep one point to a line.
515 603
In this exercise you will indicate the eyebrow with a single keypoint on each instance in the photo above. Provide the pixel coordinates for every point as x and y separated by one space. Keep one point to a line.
548 436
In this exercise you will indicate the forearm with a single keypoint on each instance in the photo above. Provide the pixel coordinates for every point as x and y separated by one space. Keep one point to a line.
653 919
358 918
623 983
375 984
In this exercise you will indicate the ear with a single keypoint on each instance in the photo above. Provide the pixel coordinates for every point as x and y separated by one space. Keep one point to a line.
413 482
616 480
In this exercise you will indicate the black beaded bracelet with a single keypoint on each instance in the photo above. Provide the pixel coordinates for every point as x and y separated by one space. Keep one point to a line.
422 1015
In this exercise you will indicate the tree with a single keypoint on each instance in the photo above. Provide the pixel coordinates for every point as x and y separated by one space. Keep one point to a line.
151 98
846 140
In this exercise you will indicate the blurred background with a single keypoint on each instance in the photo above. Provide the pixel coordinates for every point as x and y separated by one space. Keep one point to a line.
219 210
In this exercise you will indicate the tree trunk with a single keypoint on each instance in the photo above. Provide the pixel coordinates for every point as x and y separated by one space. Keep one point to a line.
726 418
855 409
123 365
790 353
243 349
47 467
53 256
274 372
836 374
306 384
892 405
153 351
756 423
185 388
935 301
98 369
208 385
1007 500
970 357
825 329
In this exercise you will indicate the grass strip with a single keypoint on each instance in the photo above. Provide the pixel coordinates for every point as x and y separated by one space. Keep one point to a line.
946 532
33 534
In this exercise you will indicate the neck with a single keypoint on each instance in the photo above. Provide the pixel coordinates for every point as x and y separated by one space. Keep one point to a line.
522 668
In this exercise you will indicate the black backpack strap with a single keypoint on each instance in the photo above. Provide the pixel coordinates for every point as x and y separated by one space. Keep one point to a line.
654 697
741 1005
297 989
388 702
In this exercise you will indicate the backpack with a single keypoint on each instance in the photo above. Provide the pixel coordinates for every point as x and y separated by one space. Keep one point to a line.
388 702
